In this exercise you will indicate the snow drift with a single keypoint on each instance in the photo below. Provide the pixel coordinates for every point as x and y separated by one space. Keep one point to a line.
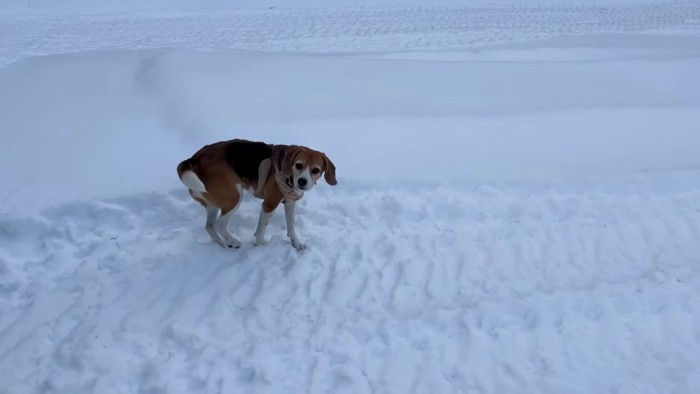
519 217
115 122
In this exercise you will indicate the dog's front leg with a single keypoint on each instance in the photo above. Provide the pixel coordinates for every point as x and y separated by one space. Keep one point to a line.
291 231
263 221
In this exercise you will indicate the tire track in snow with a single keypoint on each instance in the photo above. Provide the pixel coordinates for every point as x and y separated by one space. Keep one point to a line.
333 29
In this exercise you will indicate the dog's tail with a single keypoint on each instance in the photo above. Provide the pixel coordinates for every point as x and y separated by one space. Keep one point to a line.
187 176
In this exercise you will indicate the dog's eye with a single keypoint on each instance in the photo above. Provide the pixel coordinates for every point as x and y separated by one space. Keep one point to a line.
315 171
298 166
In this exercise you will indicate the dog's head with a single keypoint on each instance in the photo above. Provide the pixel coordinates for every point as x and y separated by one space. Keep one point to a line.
305 166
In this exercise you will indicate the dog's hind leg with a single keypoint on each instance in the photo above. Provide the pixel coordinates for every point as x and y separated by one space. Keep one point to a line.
222 224
212 214
222 228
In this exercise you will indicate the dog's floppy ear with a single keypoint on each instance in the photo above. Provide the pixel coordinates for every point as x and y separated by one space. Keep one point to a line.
283 158
329 173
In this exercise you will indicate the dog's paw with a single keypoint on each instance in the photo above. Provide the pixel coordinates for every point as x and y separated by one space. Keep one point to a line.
261 242
228 242
298 245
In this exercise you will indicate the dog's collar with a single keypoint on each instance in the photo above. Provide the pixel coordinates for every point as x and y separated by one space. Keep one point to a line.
286 186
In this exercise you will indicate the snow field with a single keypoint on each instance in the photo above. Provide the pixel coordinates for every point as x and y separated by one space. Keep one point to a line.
517 208
484 290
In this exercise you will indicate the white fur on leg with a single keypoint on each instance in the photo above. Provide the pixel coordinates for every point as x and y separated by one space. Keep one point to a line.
222 228
263 221
212 213
291 230
222 225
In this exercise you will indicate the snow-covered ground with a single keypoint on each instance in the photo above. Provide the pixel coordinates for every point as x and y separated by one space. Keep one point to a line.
518 207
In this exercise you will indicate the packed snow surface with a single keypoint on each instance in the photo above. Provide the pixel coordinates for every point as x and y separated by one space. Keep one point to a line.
518 208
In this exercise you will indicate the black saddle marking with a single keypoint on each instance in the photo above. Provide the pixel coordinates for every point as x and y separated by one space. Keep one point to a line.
245 157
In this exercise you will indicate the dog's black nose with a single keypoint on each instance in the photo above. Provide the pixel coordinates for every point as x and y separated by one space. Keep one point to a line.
302 182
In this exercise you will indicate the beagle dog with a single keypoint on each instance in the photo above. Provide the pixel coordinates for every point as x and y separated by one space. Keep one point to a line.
218 174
